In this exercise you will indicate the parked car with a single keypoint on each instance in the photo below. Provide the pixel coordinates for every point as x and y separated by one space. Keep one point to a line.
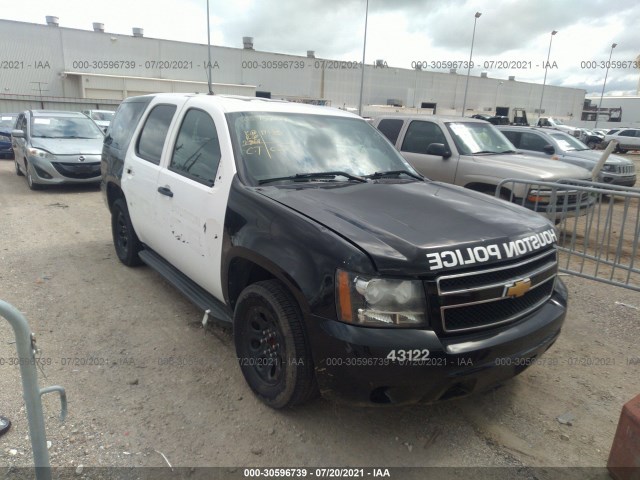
552 144
54 147
101 117
557 124
474 154
627 138
492 119
591 138
7 122
341 270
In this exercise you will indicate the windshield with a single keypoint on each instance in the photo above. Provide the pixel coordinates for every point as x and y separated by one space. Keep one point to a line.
472 138
64 127
557 121
568 143
274 145
7 121
105 116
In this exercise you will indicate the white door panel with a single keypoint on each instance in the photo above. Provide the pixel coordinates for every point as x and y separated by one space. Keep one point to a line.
139 184
191 221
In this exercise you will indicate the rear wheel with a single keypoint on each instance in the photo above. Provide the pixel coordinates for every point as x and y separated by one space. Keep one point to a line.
125 239
271 346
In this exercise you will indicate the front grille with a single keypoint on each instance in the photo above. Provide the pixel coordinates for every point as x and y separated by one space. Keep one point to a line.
480 299
501 311
626 169
571 197
77 170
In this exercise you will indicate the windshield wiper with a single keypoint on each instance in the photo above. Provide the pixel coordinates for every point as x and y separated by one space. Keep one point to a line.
485 151
305 177
394 173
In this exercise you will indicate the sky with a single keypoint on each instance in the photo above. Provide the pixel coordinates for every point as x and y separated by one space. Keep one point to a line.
509 33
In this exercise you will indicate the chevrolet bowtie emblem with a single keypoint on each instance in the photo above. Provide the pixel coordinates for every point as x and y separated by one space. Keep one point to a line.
518 288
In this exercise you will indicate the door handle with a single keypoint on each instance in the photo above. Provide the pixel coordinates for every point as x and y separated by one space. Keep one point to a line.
165 191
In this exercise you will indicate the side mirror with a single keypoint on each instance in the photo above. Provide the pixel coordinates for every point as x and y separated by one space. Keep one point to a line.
438 149
17 133
549 150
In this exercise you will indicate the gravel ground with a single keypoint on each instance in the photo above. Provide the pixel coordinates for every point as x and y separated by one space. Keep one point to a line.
148 386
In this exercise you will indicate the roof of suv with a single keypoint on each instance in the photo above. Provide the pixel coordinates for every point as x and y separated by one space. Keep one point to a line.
546 130
56 113
433 118
237 103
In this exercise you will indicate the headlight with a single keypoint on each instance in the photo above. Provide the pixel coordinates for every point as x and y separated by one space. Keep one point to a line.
36 152
380 302
608 168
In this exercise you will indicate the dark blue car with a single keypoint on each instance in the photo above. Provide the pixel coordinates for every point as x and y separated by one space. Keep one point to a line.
7 122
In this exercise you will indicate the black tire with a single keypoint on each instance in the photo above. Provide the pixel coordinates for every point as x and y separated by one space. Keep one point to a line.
592 145
125 240
622 150
271 345
32 185
18 171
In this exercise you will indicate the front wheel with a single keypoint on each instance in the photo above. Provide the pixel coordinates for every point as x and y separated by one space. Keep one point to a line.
592 145
32 185
125 239
271 346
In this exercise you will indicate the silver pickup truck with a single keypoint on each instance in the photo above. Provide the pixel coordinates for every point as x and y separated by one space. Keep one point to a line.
474 154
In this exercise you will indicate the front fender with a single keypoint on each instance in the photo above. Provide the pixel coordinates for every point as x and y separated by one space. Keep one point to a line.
292 247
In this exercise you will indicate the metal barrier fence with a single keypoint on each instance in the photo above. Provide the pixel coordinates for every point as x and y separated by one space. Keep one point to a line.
26 347
598 226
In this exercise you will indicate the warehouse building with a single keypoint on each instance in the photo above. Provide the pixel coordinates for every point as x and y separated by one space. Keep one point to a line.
64 68
614 112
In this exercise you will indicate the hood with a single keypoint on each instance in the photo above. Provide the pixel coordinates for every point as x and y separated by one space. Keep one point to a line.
400 224
535 168
593 156
69 146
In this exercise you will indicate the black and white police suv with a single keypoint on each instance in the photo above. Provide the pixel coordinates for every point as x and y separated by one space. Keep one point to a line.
341 269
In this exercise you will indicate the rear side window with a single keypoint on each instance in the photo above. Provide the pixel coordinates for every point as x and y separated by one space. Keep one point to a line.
154 133
124 123
390 128
627 133
420 135
196 154
514 137
531 141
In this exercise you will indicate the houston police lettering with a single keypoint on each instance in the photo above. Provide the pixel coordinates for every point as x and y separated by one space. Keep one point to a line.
485 253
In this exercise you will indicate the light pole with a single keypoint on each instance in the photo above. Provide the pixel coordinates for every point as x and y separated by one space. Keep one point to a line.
613 45
209 49
466 87
497 87
364 50
545 74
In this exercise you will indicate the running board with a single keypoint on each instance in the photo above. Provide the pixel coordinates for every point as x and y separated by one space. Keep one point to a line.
188 287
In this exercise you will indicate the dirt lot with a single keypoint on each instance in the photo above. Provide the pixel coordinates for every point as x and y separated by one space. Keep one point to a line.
144 379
